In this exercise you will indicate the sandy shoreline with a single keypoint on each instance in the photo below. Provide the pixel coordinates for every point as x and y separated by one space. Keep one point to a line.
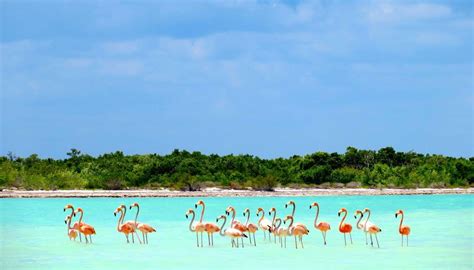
215 192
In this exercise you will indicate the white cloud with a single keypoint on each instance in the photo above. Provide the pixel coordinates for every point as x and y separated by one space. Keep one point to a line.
404 13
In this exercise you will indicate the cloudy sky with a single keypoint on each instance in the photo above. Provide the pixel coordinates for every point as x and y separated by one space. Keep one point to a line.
268 78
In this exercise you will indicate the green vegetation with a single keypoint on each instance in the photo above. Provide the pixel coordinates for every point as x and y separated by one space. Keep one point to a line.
192 171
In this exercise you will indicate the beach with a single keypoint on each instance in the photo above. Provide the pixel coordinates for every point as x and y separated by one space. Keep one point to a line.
218 192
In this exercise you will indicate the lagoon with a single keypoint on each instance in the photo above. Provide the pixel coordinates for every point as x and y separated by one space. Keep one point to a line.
33 234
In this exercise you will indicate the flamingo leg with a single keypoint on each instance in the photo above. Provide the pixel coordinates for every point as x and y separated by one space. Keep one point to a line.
202 245
376 239
90 236
197 240
242 242
350 235
254 241
296 243
208 239
138 237
402 240
366 241
128 241
407 240
80 238
371 240
133 239
345 243
301 241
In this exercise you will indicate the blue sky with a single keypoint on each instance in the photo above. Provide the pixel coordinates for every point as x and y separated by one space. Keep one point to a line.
268 78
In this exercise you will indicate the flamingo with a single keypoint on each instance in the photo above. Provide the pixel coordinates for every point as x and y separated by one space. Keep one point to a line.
324 227
296 230
344 227
264 223
144 228
279 231
252 228
130 222
235 223
292 203
372 229
361 224
70 206
193 225
231 232
126 228
71 233
84 228
403 230
208 227
273 209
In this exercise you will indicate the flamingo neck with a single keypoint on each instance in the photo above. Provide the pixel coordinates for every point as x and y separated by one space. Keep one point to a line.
357 224
202 212
401 222
367 220
248 217
136 215
221 232
233 215
342 220
316 218
124 211
122 215
279 224
191 223
294 209
69 225
80 218
261 218
274 217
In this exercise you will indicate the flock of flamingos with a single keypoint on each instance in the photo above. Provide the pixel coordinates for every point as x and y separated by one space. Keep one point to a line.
238 230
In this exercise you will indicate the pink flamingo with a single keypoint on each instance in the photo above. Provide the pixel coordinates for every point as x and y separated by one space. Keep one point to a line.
130 222
403 230
324 227
235 223
296 230
234 234
344 227
279 231
264 223
372 229
209 227
84 228
126 228
274 211
144 228
70 206
71 233
252 228
193 225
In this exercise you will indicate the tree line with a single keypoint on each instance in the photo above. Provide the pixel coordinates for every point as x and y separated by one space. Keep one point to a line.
183 170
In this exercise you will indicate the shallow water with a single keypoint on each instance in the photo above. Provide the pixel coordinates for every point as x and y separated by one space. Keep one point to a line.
33 235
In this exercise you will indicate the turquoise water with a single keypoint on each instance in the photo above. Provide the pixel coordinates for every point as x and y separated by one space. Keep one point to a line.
33 235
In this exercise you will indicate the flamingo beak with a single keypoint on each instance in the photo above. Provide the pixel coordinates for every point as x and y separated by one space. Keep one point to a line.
217 220
286 205
64 210
130 207
396 215
355 216
195 206
186 216
74 214
339 214
65 222
115 214
310 206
